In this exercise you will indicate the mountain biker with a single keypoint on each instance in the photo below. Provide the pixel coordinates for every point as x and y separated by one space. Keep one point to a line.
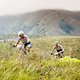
59 50
25 42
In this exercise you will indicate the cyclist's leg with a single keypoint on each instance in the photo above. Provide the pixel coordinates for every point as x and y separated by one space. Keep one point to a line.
19 47
29 46
24 49
56 54
60 54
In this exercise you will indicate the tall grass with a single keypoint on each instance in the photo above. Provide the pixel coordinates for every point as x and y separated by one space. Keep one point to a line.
39 64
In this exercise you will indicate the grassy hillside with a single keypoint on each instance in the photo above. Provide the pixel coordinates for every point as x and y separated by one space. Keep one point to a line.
39 64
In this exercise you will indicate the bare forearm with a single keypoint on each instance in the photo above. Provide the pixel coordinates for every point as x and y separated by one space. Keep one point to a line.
53 49
16 43
62 48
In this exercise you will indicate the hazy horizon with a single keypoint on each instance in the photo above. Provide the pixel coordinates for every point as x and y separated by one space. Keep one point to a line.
13 7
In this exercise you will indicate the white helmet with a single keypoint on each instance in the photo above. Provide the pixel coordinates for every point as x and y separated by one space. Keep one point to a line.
20 33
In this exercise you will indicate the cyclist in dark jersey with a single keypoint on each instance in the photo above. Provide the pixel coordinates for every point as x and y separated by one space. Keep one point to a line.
59 50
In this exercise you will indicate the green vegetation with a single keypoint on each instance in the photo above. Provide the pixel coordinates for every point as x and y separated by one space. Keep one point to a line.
39 64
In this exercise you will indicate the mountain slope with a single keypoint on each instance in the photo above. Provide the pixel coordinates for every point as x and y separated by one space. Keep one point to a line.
42 22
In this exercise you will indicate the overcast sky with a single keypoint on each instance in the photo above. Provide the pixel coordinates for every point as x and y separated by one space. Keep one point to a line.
10 7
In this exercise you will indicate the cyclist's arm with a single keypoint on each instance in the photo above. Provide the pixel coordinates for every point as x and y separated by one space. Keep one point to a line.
53 49
17 41
62 48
